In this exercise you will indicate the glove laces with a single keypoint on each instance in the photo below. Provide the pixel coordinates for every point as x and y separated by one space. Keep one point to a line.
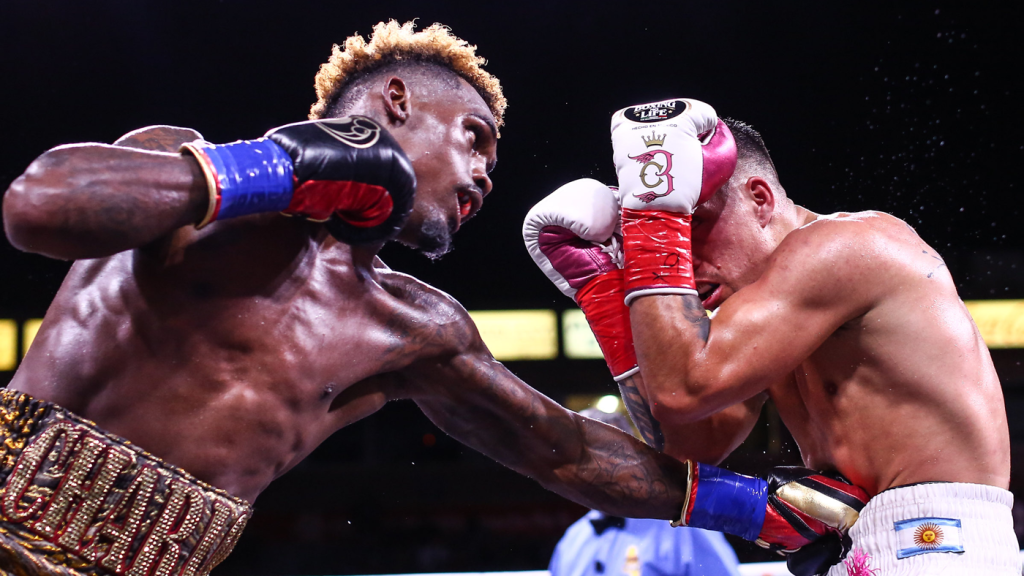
614 250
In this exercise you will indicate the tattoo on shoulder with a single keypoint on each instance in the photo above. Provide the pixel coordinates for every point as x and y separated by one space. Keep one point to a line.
158 138
640 412
432 325
694 312
936 257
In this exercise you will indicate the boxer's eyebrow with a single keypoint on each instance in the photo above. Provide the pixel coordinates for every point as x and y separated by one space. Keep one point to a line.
494 134
488 121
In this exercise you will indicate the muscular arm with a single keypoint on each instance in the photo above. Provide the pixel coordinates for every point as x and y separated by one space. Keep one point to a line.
94 200
695 366
476 400
591 463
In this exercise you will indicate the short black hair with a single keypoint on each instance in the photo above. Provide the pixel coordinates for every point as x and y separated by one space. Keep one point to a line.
750 148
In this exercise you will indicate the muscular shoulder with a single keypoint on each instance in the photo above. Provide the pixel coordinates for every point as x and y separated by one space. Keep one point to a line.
854 240
429 316
849 256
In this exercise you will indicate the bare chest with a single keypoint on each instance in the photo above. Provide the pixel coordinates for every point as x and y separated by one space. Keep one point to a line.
825 392
299 341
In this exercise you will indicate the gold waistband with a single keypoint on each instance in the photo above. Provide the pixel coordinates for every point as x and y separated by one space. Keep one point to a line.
76 498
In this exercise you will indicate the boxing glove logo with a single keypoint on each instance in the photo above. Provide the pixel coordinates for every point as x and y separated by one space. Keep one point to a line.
356 131
651 169
656 112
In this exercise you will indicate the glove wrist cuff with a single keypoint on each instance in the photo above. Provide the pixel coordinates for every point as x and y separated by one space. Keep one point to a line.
724 501
656 251
602 303
244 177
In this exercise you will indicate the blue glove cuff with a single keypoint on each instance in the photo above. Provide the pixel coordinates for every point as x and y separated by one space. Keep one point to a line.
245 177
729 502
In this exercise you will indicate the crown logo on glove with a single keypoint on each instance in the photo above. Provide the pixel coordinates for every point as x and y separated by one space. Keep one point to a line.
654 140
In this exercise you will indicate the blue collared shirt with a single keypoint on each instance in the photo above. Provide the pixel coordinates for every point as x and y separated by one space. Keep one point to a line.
641 547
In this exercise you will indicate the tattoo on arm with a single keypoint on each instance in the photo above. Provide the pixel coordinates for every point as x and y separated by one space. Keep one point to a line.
940 265
640 412
477 401
694 312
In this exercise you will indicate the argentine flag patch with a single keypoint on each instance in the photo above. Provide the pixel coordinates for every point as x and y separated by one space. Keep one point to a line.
926 535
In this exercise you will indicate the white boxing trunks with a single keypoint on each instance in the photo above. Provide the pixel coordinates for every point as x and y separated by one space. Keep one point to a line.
934 529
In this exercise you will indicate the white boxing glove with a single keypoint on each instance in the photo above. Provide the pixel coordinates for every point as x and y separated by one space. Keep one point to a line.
571 236
670 155
565 231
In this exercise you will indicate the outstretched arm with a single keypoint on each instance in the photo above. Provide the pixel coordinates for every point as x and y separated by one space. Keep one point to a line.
94 200
472 397
480 403
476 400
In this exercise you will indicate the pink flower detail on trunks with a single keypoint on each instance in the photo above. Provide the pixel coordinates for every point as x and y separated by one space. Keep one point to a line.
857 564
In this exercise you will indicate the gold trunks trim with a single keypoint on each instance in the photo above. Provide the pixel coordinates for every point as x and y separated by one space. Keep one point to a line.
77 500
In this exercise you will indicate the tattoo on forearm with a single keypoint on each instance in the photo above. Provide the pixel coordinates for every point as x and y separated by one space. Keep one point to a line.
479 402
694 312
594 465
640 412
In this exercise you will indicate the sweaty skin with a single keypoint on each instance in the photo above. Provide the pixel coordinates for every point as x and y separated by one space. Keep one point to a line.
850 323
235 350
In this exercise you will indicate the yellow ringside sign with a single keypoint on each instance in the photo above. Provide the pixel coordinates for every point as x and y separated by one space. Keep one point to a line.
28 333
519 334
1001 322
533 334
8 345
578 340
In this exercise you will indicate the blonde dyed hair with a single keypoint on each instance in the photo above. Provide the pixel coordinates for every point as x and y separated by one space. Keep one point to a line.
393 43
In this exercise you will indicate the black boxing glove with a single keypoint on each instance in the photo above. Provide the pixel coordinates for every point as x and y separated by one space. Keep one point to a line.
816 558
805 505
346 171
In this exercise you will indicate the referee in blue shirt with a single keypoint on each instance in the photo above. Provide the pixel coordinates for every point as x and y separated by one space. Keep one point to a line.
600 545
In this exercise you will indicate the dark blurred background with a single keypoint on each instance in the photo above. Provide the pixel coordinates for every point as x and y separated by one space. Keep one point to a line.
910 108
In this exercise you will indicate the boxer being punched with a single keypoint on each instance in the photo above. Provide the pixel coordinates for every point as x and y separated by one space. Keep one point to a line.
849 322
203 343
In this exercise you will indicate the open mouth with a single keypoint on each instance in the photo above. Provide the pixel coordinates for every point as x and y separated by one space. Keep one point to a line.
709 294
469 204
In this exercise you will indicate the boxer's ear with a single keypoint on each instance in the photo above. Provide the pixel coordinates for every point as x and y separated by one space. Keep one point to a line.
396 100
760 191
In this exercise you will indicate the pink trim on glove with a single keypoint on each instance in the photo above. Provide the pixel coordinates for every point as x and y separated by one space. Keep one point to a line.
577 260
719 161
